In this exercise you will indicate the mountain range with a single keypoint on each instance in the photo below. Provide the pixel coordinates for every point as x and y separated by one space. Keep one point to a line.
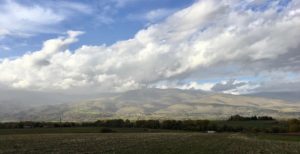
145 104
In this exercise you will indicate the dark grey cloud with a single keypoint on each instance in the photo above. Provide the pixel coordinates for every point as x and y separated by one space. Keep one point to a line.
228 85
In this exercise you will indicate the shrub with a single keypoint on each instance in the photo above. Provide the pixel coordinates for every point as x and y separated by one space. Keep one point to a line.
106 130
294 125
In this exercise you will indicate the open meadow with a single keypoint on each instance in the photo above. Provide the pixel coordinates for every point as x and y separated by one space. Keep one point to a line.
143 141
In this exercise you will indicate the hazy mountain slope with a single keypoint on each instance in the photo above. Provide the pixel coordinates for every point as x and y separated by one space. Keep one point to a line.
160 104
288 96
14 101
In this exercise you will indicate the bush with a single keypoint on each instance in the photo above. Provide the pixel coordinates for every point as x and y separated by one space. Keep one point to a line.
294 125
106 130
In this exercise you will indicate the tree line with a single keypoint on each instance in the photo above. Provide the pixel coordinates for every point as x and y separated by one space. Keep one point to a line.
242 125
241 118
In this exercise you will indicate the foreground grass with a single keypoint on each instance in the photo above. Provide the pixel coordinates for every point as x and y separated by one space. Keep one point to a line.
144 143
278 137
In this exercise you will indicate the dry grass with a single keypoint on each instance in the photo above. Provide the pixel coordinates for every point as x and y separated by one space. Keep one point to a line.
145 143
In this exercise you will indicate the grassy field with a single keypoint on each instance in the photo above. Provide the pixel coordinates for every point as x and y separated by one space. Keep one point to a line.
128 141
278 137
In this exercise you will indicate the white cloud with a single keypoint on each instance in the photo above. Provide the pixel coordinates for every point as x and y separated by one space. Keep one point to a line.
3 32
230 86
153 15
235 87
25 20
4 47
208 36
184 86
106 10
197 86
122 3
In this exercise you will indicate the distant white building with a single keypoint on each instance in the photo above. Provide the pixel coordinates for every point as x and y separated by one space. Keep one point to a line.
211 131
27 127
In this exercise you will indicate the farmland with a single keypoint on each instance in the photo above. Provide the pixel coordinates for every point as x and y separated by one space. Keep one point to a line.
237 135
88 140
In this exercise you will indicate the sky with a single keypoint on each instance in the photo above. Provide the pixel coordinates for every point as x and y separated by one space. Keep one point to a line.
95 46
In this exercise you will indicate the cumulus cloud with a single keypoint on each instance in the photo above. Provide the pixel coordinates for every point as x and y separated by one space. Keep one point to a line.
208 36
25 70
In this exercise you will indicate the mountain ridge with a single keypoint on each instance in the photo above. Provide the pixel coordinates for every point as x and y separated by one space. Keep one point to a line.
159 104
